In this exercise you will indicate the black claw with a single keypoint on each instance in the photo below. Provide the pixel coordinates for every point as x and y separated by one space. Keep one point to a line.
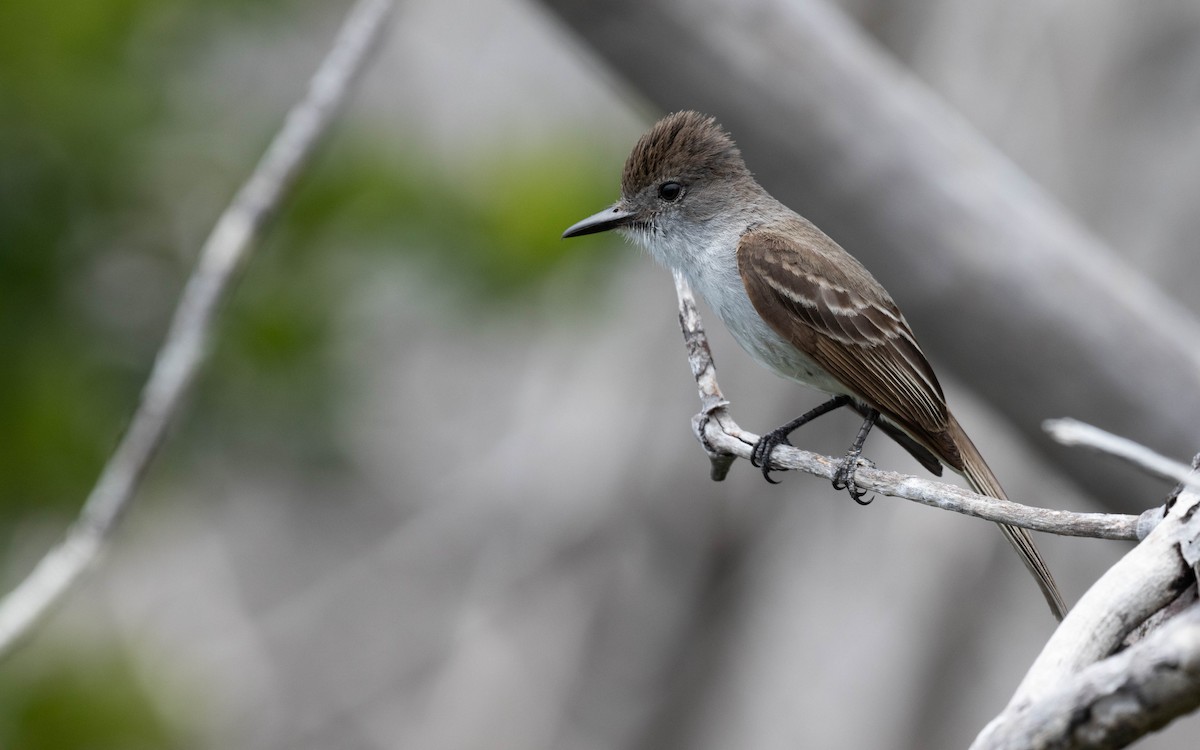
760 455
843 478
839 477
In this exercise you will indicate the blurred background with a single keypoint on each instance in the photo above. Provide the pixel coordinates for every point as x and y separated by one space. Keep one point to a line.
438 488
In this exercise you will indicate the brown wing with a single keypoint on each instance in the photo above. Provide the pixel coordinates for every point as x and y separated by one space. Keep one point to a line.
818 297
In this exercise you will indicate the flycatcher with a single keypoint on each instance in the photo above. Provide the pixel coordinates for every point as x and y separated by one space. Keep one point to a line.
795 301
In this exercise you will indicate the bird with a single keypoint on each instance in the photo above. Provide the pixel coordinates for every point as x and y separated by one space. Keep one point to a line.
797 302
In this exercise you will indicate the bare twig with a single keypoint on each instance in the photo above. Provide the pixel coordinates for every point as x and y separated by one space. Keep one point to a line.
187 341
723 439
1072 432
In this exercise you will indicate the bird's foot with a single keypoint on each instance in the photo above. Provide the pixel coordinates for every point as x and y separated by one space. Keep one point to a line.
760 454
843 478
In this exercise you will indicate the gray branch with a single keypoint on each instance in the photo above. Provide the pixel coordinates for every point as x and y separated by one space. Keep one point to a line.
187 343
1072 432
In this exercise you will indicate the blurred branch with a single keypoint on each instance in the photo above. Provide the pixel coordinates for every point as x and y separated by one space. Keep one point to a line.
188 339
834 127
1077 694
1072 432
723 440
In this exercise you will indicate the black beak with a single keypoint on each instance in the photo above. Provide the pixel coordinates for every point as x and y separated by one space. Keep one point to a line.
609 218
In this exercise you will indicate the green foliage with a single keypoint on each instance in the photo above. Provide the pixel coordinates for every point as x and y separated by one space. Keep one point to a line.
81 85
74 698
494 231
58 172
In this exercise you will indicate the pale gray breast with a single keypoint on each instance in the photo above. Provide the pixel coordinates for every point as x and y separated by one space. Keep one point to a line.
713 273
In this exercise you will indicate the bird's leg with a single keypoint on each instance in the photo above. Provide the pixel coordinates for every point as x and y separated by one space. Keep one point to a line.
843 479
760 455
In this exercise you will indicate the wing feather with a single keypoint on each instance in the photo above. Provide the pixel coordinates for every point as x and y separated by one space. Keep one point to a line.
820 299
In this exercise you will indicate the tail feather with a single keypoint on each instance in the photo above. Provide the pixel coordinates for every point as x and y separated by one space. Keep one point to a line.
981 478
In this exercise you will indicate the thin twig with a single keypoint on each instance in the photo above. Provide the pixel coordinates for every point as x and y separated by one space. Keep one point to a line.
1072 432
187 342
723 439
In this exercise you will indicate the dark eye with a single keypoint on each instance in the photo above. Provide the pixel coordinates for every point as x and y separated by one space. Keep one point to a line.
670 191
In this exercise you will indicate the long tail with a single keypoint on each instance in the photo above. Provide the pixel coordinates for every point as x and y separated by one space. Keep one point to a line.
981 478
